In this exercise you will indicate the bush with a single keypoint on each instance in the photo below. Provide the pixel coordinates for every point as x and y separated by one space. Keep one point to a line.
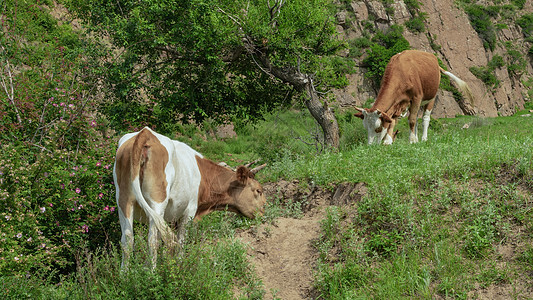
53 203
480 18
387 44
486 74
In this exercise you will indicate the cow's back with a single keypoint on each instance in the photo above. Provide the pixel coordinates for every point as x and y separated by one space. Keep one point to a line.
417 69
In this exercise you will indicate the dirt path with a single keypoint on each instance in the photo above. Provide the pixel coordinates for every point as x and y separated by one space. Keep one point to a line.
283 255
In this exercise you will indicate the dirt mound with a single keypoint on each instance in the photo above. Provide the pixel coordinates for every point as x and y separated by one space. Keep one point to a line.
282 253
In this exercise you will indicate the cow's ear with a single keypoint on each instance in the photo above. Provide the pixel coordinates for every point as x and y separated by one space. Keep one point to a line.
243 174
359 115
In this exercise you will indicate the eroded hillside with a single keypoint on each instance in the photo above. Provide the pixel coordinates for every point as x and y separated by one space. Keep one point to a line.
448 32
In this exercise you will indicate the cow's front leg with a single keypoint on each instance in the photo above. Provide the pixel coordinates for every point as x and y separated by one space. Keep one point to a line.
426 118
389 138
413 128
181 228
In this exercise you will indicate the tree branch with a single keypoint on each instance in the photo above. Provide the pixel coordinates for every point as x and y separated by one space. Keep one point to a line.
9 87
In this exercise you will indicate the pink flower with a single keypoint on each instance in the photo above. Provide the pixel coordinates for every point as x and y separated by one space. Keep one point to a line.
106 207
85 228
98 164
19 235
100 195
93 123
112 209
78 190
43 209
51 205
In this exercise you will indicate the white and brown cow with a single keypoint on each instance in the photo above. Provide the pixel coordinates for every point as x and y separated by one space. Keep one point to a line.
411 80
159 180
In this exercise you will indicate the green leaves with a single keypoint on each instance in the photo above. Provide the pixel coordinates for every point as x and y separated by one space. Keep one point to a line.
386 45
187 59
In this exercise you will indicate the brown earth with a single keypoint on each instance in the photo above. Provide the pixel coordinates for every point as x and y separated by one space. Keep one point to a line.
283 255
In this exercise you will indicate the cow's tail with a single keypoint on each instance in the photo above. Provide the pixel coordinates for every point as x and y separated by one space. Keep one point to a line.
139 157
463 87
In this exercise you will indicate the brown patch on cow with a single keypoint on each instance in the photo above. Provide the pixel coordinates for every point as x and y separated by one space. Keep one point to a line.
419 80
153 161
144 156
212 193
223 189
123 171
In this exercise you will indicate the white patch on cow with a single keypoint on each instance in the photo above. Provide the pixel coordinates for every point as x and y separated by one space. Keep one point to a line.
388 140
425 124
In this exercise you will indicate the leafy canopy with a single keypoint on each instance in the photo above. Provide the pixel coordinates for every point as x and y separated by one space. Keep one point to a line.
177 60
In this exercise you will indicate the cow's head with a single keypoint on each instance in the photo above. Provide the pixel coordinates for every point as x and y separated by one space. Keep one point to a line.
376 123
247 193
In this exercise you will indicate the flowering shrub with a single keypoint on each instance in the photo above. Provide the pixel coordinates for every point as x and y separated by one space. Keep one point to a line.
52 203
56 191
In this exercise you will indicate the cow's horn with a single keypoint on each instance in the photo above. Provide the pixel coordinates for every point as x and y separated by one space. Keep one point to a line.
248 165
257 169
359 109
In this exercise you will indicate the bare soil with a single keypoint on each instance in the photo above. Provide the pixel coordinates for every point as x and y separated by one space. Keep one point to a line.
283 255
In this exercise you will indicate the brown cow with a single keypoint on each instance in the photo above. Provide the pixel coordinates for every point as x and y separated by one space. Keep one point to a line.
159 180
411 80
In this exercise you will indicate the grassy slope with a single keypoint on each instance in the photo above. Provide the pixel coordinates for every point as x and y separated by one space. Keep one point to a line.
435 219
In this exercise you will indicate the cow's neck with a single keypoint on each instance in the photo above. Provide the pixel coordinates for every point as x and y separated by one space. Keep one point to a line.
213 190
390 95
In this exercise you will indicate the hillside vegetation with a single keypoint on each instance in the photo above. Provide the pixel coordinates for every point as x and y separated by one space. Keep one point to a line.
451 217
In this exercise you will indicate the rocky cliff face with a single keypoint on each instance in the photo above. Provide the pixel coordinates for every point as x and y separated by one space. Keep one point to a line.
459 48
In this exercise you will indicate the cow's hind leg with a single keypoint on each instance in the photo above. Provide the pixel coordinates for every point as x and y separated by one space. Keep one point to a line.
126 225
426 118
413 126
154 235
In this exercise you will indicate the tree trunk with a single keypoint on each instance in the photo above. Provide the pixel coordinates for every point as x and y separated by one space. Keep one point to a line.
323 115
304 83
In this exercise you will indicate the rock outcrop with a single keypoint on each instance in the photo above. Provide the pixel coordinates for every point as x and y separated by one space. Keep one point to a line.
460 48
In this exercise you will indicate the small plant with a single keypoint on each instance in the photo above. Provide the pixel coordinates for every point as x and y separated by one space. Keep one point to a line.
386 45
486 74
417 22
480 18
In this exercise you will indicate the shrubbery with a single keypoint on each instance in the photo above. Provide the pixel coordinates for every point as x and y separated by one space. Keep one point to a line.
386 45
56 192
53 204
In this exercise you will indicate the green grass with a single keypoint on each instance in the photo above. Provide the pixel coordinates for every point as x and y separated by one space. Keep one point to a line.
433 221
434 216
